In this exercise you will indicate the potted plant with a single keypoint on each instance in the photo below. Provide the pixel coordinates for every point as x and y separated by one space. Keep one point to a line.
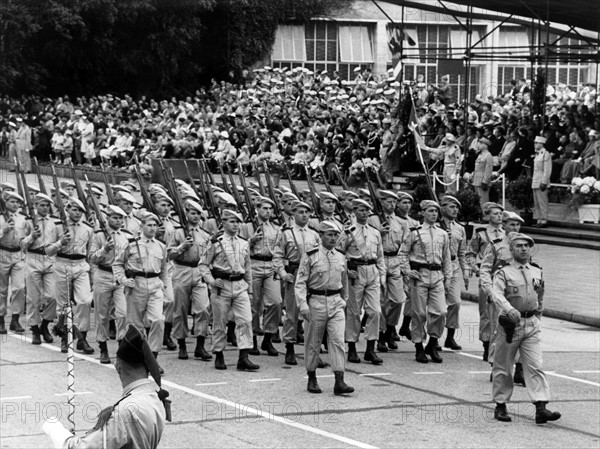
470 210
520 195
585 198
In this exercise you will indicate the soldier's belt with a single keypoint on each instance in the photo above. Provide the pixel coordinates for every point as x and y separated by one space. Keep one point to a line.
9 249
261 257
105 268
141 274
292 267
312 291
187 264
391 253
70 256
40 251
357 262
528 314
227 276
429 266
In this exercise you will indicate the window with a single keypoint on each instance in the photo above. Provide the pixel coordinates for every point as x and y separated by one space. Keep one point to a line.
355 44
289 43
321 41
409 51
458 40
508 73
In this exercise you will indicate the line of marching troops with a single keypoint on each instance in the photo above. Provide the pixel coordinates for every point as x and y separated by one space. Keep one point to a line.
370 273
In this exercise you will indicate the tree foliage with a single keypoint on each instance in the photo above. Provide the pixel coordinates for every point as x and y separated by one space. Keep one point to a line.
138 46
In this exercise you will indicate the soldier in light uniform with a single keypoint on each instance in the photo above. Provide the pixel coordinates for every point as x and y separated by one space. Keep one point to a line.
393 234
321 293
328 202
12 230
71 271
190 290
460 268
363 247
287 199
295 241
108 292
346 198
125 201
518 292
428 251
39 278
482 237
142 269
226 268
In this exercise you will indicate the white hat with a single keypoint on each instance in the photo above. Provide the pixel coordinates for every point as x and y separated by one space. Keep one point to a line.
540 139
126 196
74 202
41 197
194 205
112 209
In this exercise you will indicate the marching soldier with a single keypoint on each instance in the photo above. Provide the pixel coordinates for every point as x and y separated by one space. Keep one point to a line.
287 199
125 201
482 237
518 292
321 293
226 269
108 292
460 269
190 290
12 231
295 241
347 197
142 269
428 252
367 272
39 277
327 201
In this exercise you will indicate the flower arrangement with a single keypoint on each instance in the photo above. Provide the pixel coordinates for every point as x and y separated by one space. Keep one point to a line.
358 171
275 162
584 191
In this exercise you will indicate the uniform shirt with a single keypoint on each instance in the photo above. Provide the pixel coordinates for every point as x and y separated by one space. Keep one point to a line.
288 220
411 222
481 238
458 244
518 286
13 238
50 233
315 222
229 254
170 225
98 256
295 241
542 169
428 244
398 232
484 165
194 253
143 254
321 269
132 224
81 239
363 242
496 256
266 245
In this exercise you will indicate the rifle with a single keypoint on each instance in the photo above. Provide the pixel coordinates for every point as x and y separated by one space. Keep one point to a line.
28 203
224 181
236 195
96 208
313 195
199 194
80 193
146 200
59 204
292 185
169 180
376 202
252 215
211 203
20 189
261 187
271 189
338 207
337 172
41 183
109 192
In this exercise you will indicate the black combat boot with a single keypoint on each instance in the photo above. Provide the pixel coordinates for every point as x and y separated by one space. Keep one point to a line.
254 350
321 364
46 332
519 378
162 371
183 355
2 326
420 356
290 355
167 340
267 346
542 415
36 335
104 358
300 333
501 414
244 363
199 351
313 385
381 347
340 386
112 329
83 345
450 342
486 350
220 361
64 345
431 350
389 337
370 355
352 354
276 338
14 324
405 328
231 338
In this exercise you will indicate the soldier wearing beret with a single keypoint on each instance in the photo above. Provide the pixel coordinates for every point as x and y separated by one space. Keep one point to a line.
346 199
518 292
328 202
482 175
125 201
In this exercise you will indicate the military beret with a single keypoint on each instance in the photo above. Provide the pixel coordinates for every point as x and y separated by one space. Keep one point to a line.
7 186
511 216
388 194
74 202
160 197
120 188
487 207
515 236
265 200
96 189
231 215
111 209
449 199
405 196
289 196
41 197
328 196
126 196
191 204
357 202
254 192
364 192
153 188
328 225
14 196
285 189
426 204
33 189
134 348
348 194
226 198
66 184
190 195
131 185
149 216
301 204
61 191
540 139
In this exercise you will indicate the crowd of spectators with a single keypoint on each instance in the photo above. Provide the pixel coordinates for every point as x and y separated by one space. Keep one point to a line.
303 117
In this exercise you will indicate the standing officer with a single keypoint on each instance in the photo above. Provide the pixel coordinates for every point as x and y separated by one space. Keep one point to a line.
12 228
367 272
484 166
518 292
39 278
190 290
321 293
142 269
72 271
295 242
460 268
428 251
108 293
226 268
394 232
482 237
542 170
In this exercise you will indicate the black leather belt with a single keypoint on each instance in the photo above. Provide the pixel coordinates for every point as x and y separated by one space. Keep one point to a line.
10 250
292 267
528 314
390 253
429 266
71 256
227 276
362 261
40 251
141 274
312 291
187 264
105 268
263 258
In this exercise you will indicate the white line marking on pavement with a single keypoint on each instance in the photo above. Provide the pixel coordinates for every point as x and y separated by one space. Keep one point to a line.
375 374
479 372
591 371
583 381
466 354
428 372
78 393
324 375
211 384
14 398
275 379
269 416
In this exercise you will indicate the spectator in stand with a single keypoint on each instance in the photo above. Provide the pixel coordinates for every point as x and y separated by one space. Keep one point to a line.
542 169
482 176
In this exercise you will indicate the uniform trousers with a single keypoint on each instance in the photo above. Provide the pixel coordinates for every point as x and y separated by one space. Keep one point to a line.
428 305
407 310
540 204
484 196
453 300
266 297
391 302
109 297
39 282
363 292
290 323
145 309
12 272
493 313
190 295
169 294
72 280
527 341
232 297
326 313
485 327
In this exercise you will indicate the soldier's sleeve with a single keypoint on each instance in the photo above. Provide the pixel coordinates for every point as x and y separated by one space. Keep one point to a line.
205 261
113 434
342 243
278 254
164 266
498 288
462 252
373 220
172 242
485 270
380 259
53 248
248 268
88 245
27 241
403 252
344 292
119 264
301 284
473 248
97 254
446 257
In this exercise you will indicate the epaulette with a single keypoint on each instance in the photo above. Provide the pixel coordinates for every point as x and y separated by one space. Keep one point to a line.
480 230
499 240
533 264
86 223
57 222
314 229
243 238
312 251
133 239
126 231
178 227
416 228
286 228
340 251
98 231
